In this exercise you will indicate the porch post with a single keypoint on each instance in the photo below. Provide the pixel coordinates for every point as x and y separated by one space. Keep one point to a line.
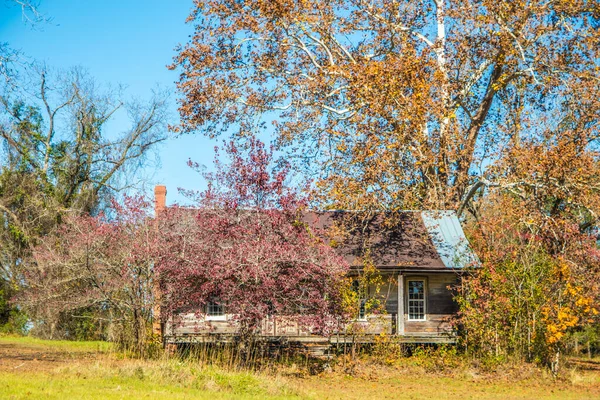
400 323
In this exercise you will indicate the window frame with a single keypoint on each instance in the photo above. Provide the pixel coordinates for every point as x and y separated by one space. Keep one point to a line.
209 317
408 299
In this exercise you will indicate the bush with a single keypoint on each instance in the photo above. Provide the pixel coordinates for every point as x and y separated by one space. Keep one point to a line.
16 323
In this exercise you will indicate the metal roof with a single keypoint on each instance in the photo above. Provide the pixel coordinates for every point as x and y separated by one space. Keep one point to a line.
449 239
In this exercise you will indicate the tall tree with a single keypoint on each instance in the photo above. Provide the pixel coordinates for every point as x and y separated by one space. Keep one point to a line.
60 155
399 104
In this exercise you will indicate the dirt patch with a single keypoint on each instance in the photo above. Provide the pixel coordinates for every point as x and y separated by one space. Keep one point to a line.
588 365
20 357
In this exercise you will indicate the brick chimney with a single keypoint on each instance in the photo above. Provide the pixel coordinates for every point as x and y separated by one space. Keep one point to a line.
160 204
160 199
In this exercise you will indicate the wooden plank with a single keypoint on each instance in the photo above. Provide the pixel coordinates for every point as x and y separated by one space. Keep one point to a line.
440 308
319 343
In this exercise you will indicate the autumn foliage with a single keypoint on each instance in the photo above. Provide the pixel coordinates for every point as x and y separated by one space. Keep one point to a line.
490 108
396 105
245 248
98 268
486 107
540 279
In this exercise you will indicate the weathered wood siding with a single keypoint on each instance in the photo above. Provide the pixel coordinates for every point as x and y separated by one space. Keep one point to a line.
193 324
189 325
439 308
439 305
388 293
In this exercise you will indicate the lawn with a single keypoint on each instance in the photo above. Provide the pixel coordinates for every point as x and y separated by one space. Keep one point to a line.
37 369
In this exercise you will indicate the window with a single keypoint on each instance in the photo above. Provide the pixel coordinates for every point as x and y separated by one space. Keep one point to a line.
362 300
215 311
416 300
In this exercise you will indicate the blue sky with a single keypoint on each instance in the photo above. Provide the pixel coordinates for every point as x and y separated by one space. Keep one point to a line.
127 42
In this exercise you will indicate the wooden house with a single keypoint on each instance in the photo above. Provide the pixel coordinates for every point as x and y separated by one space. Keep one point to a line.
420 257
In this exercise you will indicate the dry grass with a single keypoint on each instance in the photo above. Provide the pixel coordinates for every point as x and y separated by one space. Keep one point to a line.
31 368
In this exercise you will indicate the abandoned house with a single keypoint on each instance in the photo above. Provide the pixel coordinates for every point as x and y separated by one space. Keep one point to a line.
420 259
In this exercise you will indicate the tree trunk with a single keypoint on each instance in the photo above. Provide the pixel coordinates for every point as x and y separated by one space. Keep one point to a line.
555 364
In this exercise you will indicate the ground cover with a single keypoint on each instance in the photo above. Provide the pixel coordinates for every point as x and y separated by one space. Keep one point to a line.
35 369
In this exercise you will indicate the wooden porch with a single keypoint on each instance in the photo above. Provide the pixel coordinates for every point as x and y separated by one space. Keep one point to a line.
396 322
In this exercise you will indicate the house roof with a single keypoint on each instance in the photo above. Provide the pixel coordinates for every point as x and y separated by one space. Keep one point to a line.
409 240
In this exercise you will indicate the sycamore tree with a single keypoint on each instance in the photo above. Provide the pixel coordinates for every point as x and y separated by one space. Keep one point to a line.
246 250
489 107
395 104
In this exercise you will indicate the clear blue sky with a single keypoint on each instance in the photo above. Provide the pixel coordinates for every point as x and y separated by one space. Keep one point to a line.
126 42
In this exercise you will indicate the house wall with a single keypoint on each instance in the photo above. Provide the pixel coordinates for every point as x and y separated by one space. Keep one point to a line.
190 324
388 293
439 306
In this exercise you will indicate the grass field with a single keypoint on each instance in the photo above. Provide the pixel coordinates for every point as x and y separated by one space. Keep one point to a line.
37 369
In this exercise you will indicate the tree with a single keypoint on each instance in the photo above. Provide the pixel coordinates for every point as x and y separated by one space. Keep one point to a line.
10 317
537 239
30 10
30 14
395 104
246 249
98 263
485 106
60 156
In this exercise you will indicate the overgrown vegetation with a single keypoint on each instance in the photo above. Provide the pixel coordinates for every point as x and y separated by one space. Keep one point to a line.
389 108
489 108
246 250
99 271
59 161
33 368
540 275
